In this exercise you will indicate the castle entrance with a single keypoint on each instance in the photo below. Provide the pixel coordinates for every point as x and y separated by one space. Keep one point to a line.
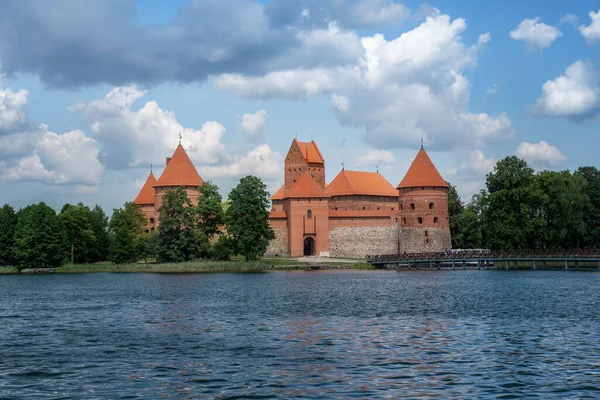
309 246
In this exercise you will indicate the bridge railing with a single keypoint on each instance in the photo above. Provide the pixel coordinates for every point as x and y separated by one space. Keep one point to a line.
485 254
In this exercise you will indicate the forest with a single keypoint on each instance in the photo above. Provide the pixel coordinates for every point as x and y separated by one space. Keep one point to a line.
517 209
38 236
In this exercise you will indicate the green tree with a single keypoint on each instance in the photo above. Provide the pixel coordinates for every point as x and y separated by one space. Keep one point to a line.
78 224
8 224
247 218
40 237
514 210
591 239
126 225
148 243
565 206
210 209
455 210
99 221
179 238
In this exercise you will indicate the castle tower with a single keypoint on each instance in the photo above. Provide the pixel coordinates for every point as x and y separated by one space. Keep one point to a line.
423 205
145 199
304 157
179 172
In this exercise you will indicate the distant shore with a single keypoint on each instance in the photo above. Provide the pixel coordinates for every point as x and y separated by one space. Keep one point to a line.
263 265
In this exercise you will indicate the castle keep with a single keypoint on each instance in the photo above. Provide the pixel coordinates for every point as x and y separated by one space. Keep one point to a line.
357 214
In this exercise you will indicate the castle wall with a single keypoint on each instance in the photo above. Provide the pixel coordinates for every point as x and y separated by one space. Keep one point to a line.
301 226
279 245
361 241
362 202
419 240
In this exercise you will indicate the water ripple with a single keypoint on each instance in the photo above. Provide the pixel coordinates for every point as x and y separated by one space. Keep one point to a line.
470 334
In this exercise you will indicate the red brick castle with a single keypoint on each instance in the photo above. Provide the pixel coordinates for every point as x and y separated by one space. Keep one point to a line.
357 214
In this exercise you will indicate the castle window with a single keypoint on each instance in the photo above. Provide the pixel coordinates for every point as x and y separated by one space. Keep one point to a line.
404 221
401 207
378 208
427 240
363 208
395 219
309 214
152 229
412 206
426 233
392 208
430 206
435 220
151 220
147 231
335 208
420 220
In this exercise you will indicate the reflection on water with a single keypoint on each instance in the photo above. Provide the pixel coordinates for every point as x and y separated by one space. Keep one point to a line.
463 334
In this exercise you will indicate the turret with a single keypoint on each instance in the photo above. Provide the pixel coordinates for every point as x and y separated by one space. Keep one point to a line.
423 205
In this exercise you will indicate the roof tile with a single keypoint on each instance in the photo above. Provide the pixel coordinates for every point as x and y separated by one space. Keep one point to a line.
180 171
146 195
360 183
311 152
422 172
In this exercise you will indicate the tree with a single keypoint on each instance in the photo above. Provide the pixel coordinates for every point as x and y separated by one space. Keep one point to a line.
99 222
455 209
514 206
179 238
78 224
247 218
591 239
40 238
210 209
148 243
126 225
8 224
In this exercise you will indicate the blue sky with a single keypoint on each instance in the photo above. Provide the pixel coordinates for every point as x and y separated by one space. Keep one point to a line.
93 94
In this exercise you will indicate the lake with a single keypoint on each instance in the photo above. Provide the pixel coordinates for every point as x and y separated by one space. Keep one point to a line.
321 335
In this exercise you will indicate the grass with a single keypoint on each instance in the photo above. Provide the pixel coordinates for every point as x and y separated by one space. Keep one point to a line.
8 270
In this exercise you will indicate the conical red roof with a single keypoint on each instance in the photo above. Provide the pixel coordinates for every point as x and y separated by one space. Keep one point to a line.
305 187
146 195
179 171
360 183
422 172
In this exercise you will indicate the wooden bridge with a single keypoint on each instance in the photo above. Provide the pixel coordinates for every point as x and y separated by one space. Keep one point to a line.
578 259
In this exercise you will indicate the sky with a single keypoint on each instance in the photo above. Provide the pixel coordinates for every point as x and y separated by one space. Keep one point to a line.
94 93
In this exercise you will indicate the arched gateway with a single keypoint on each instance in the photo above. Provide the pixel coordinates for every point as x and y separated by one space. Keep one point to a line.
309 246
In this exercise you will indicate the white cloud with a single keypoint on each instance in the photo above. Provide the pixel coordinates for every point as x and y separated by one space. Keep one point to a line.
575 95
568 19
540 155
261 161
376 157
471 165
493 89
536 34
253 125
592 31
398 90
378 12
59 159
132 138
12 109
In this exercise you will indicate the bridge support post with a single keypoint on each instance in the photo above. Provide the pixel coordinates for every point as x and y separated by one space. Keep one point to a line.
566 264
507 265
454 265
464 264
534 265
430 264
576 264
545 264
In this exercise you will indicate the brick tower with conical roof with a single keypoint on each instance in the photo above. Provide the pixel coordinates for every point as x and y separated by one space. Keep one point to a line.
179 172
423 208
145 200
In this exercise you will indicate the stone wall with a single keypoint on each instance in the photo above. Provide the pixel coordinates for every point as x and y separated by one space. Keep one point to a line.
417 240
279 245
361 241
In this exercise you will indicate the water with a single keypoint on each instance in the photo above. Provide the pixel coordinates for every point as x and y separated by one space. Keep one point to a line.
347 334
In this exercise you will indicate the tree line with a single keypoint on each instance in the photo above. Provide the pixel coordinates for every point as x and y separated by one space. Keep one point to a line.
38 236
520 209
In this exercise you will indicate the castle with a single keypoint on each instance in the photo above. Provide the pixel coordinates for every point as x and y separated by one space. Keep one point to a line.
357 214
